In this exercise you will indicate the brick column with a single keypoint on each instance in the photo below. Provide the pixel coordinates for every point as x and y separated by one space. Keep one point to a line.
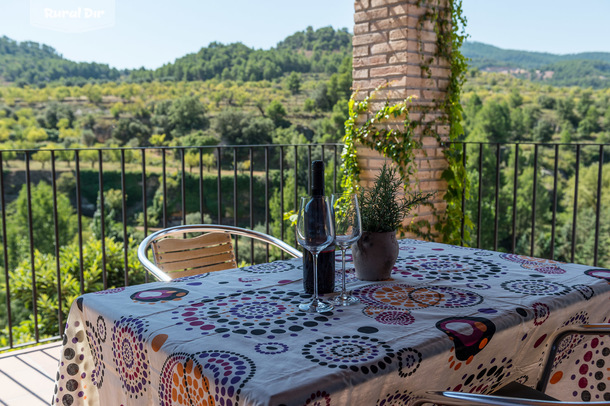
387 49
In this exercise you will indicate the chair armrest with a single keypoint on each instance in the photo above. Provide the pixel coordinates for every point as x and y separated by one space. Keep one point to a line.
467 399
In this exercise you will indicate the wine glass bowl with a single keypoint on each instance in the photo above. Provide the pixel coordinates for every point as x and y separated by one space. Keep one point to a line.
315 231
348 229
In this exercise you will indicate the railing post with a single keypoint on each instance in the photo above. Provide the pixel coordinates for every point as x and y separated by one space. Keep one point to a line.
598 203
7 290
28 185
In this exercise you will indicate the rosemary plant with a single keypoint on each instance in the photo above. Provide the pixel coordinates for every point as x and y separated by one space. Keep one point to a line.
382 208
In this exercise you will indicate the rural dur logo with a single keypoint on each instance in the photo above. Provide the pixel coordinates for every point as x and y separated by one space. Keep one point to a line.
72 16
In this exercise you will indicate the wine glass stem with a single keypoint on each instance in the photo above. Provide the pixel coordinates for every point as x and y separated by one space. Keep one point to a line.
315 277
343 265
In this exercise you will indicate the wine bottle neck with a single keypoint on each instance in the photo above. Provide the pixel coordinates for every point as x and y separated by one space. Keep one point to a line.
317 178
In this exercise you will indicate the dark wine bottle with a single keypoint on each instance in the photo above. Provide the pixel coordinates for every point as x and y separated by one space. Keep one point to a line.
326 258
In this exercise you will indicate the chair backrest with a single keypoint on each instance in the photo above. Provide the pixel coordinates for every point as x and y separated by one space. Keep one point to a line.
176 254
180 257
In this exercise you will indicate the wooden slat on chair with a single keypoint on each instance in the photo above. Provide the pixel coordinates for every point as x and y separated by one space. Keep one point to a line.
180 257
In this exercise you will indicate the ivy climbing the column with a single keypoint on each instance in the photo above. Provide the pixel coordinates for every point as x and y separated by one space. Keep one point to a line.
399 144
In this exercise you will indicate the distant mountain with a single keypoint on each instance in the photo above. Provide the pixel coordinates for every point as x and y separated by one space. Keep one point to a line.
582 69
33 63
321 50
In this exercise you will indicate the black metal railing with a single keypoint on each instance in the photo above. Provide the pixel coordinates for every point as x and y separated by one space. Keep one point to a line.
78 232
92 240
531 199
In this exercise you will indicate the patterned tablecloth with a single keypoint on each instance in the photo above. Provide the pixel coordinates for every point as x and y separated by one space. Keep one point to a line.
450 318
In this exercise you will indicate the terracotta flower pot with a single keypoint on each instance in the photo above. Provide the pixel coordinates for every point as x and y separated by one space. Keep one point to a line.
374 255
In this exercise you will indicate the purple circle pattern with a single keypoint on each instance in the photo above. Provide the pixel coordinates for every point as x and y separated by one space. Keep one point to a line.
449 267
567 345
271 267
546 266
541 313
358 353
130 355
266 313
535 287
96 336
227 370
389 316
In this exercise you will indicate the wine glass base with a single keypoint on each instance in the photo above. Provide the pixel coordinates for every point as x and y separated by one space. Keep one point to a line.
316 306
345 299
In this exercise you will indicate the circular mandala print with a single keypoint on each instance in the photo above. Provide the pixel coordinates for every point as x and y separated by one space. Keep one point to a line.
359 354
567 346
389 316
320 398
271 267
547 266
130 355
541 313
535 287
587 292
110 291
486 378
409 361
406 297
449 267
271 348
191 278
96 336
265 313
186 379
162 295
409 241
398 398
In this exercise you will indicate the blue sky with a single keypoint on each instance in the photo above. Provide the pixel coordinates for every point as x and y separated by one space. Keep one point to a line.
151 33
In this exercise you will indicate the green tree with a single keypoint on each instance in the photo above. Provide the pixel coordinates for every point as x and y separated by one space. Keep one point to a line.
46 283
42 223
185 115
277 113
294 82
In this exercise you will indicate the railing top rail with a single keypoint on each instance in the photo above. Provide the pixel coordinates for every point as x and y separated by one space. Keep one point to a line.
549 144
330 144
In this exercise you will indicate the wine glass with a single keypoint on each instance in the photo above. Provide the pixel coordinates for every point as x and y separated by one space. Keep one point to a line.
315 232
348 229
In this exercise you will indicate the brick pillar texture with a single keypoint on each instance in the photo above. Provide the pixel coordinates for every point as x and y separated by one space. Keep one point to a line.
388 46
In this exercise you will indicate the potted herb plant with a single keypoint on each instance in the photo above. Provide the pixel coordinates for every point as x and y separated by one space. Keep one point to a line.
382 209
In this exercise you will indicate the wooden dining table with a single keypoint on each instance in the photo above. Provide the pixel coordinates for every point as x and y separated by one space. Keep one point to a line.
449 318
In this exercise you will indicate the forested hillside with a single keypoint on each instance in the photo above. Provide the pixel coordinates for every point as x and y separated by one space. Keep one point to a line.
583 69
30 63
309 51
504 109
